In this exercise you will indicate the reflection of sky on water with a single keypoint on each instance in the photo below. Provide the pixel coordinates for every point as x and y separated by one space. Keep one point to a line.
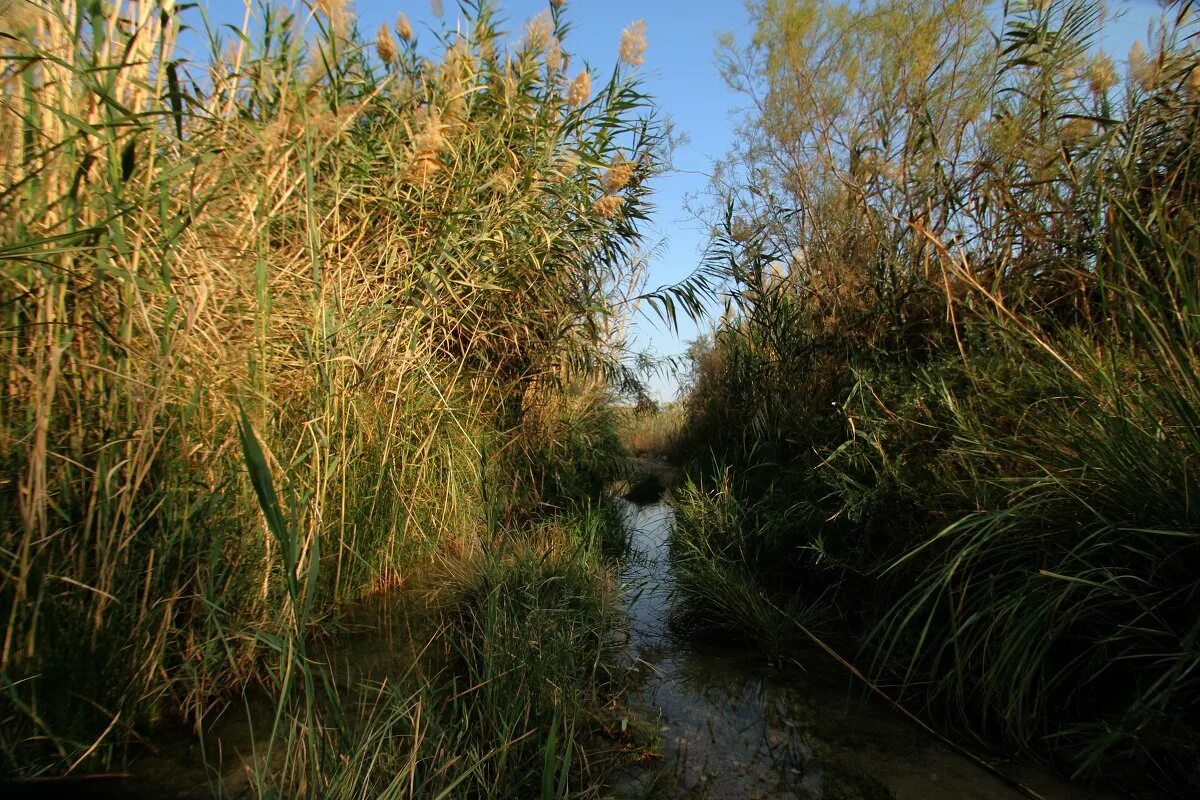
732 726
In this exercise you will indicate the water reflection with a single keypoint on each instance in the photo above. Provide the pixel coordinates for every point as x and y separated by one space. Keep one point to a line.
733 726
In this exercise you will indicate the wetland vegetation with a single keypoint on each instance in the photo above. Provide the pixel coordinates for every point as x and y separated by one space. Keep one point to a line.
320 415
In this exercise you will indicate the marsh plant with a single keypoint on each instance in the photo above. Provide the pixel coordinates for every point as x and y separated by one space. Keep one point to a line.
281 322
957 378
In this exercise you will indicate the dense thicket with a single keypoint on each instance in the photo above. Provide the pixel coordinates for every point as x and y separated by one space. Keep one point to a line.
309 278
957 382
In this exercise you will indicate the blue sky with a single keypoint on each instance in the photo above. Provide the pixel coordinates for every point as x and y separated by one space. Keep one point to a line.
680 72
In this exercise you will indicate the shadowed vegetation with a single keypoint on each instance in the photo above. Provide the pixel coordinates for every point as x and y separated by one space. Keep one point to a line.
954 395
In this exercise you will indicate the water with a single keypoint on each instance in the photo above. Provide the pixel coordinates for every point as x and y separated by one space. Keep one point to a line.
733 726
728 724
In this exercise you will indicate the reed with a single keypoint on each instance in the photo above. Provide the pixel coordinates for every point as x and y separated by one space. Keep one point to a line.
957 382
370 278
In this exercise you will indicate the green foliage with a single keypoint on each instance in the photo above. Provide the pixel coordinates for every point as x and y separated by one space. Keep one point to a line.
956 382
500 702
281 324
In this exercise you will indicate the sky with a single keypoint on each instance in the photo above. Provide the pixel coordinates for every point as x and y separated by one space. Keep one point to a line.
680 72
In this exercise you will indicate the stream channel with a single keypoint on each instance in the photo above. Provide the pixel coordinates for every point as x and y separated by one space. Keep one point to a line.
734 726
729 724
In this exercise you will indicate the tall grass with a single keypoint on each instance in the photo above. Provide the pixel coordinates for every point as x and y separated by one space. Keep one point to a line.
999 484
506 700
648 429
385 268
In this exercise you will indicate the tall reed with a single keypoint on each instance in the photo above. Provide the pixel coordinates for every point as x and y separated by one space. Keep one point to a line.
393 263
961 359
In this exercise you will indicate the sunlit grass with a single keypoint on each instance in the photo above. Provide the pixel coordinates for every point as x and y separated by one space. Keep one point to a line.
371 279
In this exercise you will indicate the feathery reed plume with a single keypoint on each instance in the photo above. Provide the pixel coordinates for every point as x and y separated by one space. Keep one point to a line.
608 205
20 17
1076 130
740 231
435 6
1192 86
404 28
539 31
618 174
1141 69
580 89
385 46
338 15
1101 74
554 55
633 44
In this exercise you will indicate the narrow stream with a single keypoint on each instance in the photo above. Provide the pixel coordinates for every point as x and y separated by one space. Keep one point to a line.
733 726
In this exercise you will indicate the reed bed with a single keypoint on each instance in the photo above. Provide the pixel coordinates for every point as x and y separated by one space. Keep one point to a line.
955 389
281 322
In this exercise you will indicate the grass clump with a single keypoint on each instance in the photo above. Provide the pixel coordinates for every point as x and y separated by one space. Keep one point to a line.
507 698
650 429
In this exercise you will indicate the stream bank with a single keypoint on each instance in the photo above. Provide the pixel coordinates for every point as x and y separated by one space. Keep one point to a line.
732 725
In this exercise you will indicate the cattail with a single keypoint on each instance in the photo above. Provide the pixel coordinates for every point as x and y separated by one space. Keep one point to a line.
385 46
403 28
633 44
580 89
618 175
608 205
557 3
436 7
1101 75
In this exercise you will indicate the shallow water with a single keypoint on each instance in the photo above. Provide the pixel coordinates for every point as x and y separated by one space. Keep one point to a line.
728 724
734 726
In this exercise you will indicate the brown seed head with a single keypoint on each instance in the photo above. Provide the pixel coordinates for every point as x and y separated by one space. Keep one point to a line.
385 46
1192 86
608 205
554 55
539 31
403 28
633 44
1101 74
618 175
1141 69
1077 130
580 89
